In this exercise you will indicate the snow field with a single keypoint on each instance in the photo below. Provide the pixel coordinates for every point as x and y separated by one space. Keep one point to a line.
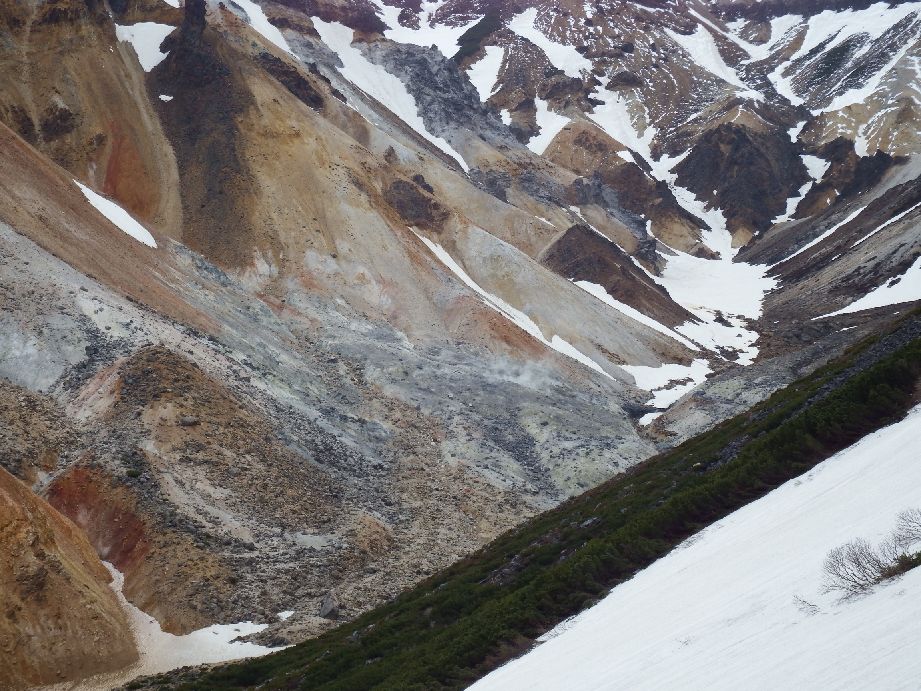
741 604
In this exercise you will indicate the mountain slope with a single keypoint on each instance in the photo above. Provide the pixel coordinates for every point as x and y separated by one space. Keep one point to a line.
479 613
330 294
751 604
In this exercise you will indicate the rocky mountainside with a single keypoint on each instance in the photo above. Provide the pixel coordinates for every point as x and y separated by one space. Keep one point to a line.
60 618
303 301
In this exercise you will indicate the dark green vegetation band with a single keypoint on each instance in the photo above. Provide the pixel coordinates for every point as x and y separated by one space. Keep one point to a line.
459 624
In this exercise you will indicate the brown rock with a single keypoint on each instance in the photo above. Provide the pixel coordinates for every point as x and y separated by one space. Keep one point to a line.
60 619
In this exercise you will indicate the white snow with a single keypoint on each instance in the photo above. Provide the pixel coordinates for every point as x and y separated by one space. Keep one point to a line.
516 316
824 235
162 652
615 119
262 25
816 167
563 57
145 38
704 52
172 3
599 292
287 614
839 26
702 286
442 36
792 203
166 98
550 124
904 288
796 131
506 117
668 382
894 219
741 604
780 26
710 287
377 82
863 92
484 72
120 218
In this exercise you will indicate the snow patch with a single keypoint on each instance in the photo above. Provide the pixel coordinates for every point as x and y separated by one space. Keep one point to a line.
484 72
824 235
895 291
145 38
120 218
722 294
161 652
550 124
563 57
442 36
704 52
816 167
262 25
892 220
668 382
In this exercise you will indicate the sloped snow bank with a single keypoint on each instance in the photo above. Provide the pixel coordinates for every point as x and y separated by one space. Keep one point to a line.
702 49
118 216
261 25
904 288
550 124
599 292
377 82
161 652
484 73
820 238
514 315
667 383
741 605
565 58
145 38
